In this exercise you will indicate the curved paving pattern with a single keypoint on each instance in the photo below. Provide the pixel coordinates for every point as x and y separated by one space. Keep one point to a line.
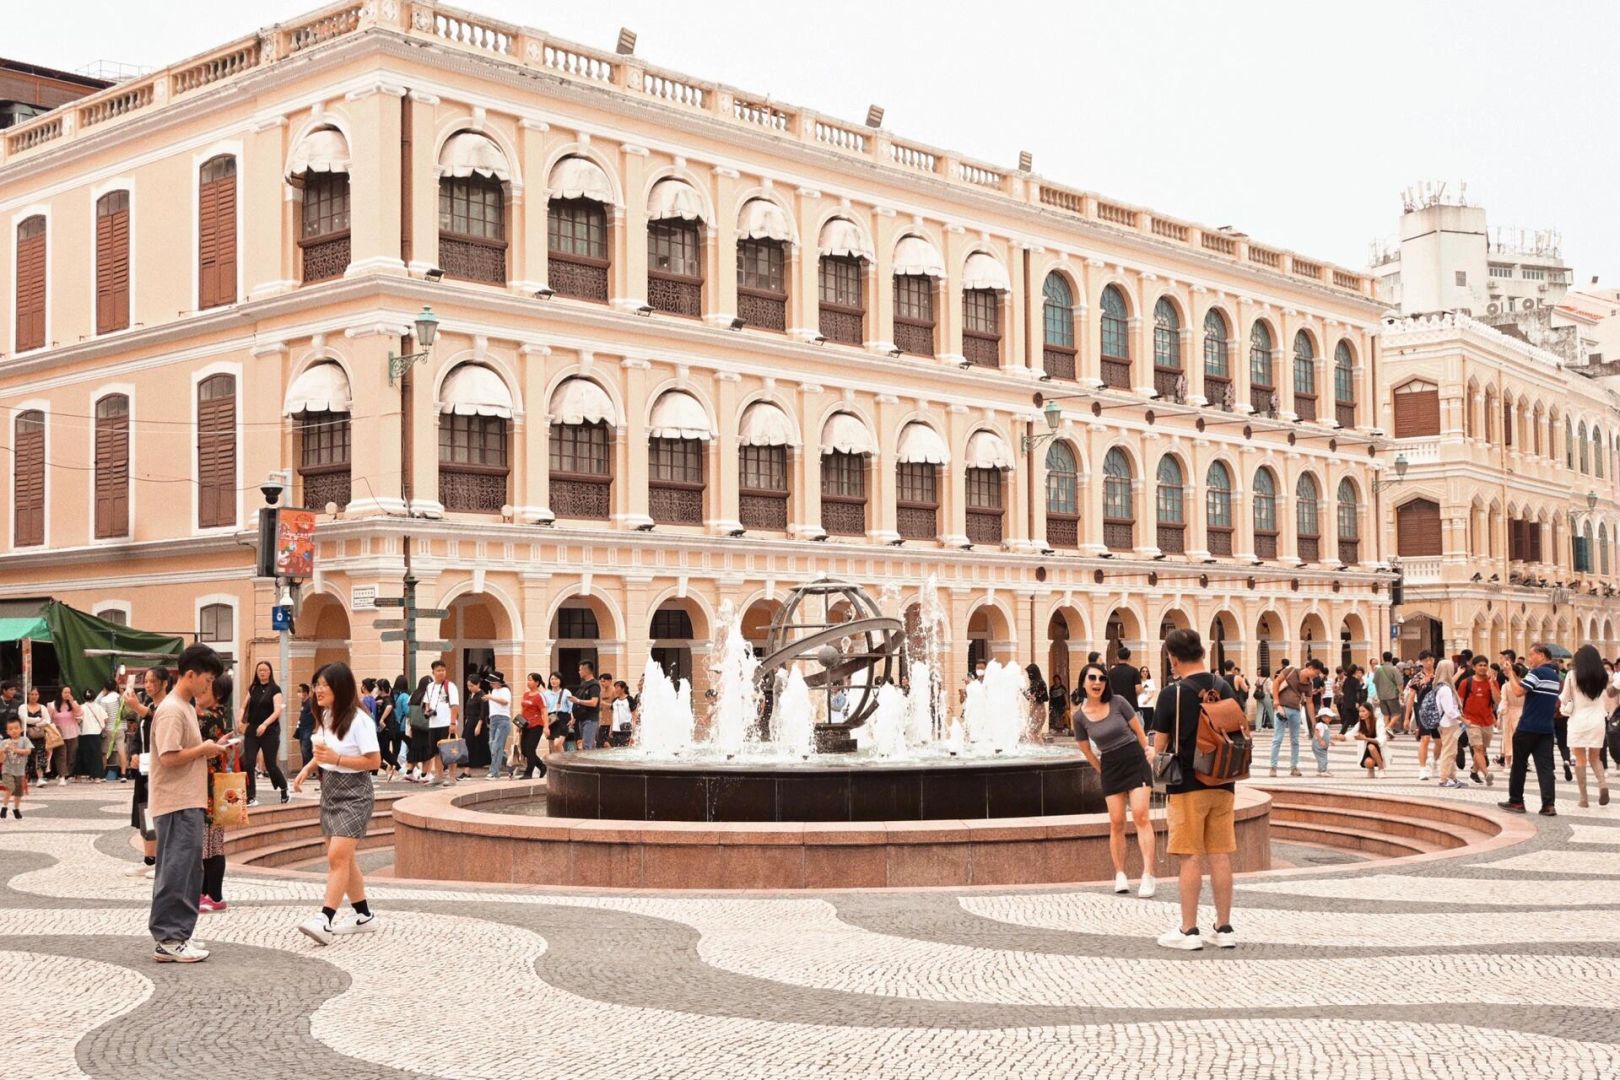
1451 967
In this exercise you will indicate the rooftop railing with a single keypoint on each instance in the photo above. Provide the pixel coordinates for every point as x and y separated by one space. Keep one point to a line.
452 28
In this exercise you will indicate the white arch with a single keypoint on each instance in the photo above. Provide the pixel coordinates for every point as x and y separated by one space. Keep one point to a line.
446 129
498 365
589 152
578 589
697 183
489 588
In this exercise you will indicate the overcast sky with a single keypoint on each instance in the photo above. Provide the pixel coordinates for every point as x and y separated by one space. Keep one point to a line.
1297 122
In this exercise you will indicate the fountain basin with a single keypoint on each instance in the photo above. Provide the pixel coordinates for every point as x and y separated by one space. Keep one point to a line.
612 784
450 835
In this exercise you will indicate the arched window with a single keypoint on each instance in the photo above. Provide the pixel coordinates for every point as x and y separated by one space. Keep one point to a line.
1417 529
1217 362
112 467
846 444
1116 340
1417 409
1344 385
474 426
1218 508
675 266
1304 377
319 169
1265 514
318 403
676 465
1169 506
1580 437
917 263
1262 376
1308 518
577 229
216 452
1468 411
762 282
1597 453
921 452
472 230
1585 561
31 284
1603 549
28 480
845 258
1119 511
1062 496
1569 443
112 262
1167 378
1507 421
216 623
762 461
987 461
1057 309
1349 519
580 450
216 232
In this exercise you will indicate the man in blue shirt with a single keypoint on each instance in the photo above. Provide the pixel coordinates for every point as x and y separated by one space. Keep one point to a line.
1534 735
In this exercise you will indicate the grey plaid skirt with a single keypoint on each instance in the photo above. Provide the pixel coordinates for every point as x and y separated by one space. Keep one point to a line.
346 800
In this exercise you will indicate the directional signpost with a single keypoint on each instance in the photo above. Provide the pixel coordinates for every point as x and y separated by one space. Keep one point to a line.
403 630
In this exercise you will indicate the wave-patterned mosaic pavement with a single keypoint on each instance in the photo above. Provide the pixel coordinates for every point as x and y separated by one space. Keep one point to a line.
1499 963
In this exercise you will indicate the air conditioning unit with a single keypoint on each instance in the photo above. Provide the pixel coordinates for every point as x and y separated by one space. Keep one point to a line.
1493 308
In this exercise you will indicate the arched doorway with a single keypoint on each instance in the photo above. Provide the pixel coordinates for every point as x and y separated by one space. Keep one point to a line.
989 637
1064 631
1268 636
678 631
1313 640
1354 648
1223 635
1419 631
756 623
1124 631
1173 619
323 637
474 628
578 628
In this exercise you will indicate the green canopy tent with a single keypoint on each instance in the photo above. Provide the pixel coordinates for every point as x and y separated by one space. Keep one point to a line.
87 648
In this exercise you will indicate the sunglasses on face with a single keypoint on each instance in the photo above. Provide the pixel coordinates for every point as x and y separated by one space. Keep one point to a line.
1095 678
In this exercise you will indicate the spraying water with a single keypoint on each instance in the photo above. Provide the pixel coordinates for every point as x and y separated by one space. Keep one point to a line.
889 722
1003 707
667 724
736 703
920 705
794 720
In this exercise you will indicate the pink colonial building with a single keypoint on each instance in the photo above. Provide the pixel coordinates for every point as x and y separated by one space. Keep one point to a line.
694 346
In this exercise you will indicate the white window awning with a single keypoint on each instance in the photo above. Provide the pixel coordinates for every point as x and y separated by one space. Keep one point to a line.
581 401
323 150
467 153
679 415
674 198
984 271
917 255
580 178
475 390
987 450
762 219
322 387
765 424
841 238
847 434
921 445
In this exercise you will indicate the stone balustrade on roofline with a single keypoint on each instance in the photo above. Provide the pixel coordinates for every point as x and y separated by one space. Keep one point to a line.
1426 329
452 28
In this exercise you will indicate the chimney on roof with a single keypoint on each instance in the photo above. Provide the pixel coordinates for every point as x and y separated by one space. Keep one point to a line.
874 116
627 41
1026 161
1594 279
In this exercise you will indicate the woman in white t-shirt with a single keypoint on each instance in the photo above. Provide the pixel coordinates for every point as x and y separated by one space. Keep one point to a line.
347 753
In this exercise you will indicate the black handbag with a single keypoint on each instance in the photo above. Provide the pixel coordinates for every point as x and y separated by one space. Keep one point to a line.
1167 767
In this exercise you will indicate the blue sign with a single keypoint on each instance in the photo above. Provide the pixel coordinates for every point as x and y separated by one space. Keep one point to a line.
281 618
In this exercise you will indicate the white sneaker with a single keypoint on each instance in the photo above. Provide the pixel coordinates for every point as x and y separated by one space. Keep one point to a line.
317 929
179 952
1175 939
252 803
1378 774
138 870
61 781
1122 884
1147 887
149 873
1226 939
1423 774
360 924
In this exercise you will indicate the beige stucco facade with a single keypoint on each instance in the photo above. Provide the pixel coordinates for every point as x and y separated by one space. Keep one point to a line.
1555 471
1016 584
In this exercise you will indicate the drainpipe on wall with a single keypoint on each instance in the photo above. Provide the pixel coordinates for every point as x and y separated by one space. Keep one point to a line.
406 436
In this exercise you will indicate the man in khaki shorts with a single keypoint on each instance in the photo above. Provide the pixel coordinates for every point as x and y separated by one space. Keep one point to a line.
1200 817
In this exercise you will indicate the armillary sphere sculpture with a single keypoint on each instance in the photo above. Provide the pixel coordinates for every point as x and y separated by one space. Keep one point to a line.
852 644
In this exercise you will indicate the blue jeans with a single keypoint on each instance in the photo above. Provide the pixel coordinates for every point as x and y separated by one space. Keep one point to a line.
1289 720
587 734
1321 753
500 729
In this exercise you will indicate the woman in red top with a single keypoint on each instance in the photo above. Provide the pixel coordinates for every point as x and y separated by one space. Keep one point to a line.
534 726
1479 696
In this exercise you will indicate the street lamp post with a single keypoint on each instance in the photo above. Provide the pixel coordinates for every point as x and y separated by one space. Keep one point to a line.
426 325
427 328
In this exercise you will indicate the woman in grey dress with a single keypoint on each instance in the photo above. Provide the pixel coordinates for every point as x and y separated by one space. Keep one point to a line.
1111 736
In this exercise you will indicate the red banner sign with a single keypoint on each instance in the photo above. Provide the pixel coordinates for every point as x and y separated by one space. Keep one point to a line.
295 543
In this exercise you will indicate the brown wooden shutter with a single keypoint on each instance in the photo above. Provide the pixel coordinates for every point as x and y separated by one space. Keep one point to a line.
216 452
31 284
112 262
216 234
112 467
28 483
1417 411
1417 529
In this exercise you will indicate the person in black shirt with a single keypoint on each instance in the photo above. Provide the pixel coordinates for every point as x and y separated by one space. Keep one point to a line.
1200 816
1124 678
587 705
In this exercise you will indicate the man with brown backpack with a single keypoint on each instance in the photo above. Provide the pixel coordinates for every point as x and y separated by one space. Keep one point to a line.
1199 724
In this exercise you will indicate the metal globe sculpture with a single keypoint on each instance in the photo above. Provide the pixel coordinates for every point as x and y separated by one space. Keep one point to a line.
845 643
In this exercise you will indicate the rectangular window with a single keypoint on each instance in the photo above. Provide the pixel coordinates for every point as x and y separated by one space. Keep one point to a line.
983 489
30 329
326 205
981 312
764 469
28 480
216 452
472 440
1461 277
112 262
576 227
112 467
917 500
843 306
471 206
914 314
1500 271
672 248
1534 273
216 233
580 449
676 461
760 266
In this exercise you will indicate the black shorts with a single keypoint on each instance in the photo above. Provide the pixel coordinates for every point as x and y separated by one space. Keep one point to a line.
559 725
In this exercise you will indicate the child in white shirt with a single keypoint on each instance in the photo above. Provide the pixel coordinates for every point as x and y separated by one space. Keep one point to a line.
1322 738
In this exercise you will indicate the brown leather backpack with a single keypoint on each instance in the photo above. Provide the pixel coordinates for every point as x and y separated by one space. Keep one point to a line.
1225 747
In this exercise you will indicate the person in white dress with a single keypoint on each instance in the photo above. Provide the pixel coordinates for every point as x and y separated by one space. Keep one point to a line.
1587 699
